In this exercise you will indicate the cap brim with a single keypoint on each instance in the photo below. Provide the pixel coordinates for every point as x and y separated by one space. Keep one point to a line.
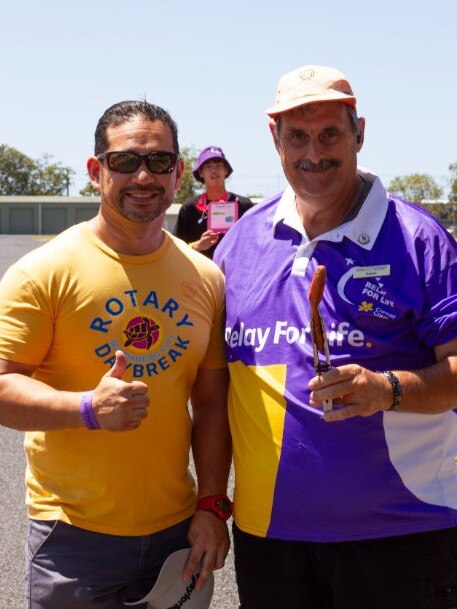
350 100
197 176
170 590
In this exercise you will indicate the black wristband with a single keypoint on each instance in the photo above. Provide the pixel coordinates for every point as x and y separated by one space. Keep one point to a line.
397 391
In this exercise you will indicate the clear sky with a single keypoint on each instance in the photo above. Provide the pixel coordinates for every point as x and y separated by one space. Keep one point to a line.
215 66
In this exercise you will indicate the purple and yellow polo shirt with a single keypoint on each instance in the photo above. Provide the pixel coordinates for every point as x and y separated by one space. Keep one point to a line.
391 296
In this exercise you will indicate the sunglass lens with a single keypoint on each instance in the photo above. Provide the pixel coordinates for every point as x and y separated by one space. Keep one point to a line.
161 162
124 162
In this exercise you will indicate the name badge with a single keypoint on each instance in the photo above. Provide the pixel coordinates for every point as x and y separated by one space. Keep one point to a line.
223 215
380 270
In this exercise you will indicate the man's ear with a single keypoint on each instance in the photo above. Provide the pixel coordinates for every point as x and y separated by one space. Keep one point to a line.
360 133
179 173
93 169
272 126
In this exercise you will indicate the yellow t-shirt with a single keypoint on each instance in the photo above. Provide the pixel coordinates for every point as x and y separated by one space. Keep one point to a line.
66 307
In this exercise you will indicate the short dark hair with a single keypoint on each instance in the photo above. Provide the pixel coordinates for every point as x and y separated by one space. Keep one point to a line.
127 110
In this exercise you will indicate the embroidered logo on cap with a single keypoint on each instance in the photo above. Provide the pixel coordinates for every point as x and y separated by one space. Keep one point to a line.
306 74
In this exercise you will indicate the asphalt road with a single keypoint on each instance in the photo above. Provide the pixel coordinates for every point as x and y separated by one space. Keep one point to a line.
13 519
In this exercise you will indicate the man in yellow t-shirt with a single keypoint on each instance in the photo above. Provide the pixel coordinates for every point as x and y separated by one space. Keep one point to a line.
111 327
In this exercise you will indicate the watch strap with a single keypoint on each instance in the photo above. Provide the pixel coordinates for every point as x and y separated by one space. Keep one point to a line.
397 391
220 505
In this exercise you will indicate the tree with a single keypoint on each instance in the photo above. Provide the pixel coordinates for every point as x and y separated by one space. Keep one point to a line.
189 186
53 178
21 175
88 190
17 172
416 187
453 181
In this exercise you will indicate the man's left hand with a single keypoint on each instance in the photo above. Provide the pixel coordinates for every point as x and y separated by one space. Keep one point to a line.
210 541
355 391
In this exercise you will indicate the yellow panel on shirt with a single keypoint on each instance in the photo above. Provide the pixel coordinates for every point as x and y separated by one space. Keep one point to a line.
257 411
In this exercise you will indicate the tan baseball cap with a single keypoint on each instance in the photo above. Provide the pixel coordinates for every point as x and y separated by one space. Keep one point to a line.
311 84
170 591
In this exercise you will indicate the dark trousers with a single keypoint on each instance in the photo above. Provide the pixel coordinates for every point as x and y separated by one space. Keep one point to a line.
406 572
71 568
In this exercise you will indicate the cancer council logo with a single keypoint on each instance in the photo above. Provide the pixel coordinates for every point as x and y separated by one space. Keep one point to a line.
141 333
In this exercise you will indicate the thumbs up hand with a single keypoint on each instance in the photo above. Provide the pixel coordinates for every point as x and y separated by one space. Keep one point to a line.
119 366
119 405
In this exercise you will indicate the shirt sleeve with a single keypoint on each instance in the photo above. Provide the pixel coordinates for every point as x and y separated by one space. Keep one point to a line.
438 322
26 319
215 356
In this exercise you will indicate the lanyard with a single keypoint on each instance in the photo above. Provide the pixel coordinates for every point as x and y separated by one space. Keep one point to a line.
202 203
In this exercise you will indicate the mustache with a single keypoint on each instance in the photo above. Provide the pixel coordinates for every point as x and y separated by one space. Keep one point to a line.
150 189
322 165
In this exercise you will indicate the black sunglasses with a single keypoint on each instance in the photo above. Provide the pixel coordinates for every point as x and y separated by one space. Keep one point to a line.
159 161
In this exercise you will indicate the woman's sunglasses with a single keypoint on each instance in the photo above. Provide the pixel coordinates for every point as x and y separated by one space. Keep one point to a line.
158 161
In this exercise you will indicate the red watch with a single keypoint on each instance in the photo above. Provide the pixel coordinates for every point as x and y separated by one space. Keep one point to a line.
218 504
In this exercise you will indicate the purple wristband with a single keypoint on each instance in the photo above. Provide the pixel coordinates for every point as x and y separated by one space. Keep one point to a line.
87 412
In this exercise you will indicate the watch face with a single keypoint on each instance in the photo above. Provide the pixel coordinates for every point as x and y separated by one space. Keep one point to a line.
224 506
218 504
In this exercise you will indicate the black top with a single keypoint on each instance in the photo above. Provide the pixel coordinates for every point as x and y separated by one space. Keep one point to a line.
192 223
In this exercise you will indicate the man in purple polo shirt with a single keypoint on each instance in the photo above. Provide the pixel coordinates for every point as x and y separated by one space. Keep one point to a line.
357 507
